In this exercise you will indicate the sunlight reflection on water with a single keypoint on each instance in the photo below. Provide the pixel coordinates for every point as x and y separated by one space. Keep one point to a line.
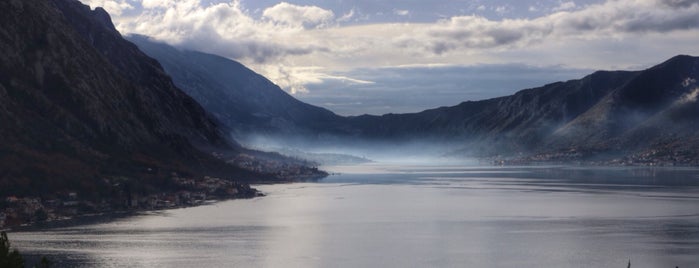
417 216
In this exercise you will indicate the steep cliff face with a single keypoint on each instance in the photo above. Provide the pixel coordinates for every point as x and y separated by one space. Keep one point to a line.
78 102
168 107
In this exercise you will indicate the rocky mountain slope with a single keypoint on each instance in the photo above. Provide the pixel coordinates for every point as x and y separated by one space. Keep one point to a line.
612 114
79 104
654 115
522 119
604 115
240 98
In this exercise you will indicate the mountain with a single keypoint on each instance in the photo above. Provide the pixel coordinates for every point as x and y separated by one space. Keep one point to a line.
243 100
79 105
652 113
605 115
520 120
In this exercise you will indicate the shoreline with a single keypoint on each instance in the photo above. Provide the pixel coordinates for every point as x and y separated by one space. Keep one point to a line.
109 216
27 212
69 209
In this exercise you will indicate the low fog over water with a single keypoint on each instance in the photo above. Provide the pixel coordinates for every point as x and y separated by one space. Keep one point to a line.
413 151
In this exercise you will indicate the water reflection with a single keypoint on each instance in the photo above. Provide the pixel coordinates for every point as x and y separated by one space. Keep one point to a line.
412 216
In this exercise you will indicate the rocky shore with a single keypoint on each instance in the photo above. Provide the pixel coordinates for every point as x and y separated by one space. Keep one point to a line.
186 192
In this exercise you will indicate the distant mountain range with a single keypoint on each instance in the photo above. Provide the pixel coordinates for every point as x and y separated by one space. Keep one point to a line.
611 113
604 116
79 104
647 116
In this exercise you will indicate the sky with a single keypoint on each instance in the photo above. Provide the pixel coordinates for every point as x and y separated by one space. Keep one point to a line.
376 57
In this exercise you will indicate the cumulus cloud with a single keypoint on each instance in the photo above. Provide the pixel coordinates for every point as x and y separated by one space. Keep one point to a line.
227 29
157 3
502 9
401 12
298 16
565 6
115 7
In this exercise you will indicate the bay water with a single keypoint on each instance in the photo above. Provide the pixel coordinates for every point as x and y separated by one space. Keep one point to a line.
398 215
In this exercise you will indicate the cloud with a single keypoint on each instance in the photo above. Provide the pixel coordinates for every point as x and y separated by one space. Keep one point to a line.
401 12
298 16
680 3
612 18
227 29
631 17
690 97
157 3
297 79
115 7
565 6
502 9
300 47
479 32
347 16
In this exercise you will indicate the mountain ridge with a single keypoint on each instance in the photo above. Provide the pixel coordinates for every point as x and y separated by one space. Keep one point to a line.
80 106
596 115
242 99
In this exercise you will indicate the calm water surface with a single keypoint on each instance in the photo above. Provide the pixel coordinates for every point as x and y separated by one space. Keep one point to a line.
412 216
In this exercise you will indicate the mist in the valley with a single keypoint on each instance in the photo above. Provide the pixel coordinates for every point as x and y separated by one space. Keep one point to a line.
606 130
342 150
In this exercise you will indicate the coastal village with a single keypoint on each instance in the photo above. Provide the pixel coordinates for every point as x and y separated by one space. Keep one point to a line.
19 211
177 191
654 157
285 169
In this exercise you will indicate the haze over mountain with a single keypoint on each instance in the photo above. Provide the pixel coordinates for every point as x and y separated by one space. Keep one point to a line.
607 113
240 98
78 103
651 111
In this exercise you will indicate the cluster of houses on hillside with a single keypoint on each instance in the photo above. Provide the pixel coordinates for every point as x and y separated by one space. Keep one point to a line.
660 158
281 169
15 211
647 158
